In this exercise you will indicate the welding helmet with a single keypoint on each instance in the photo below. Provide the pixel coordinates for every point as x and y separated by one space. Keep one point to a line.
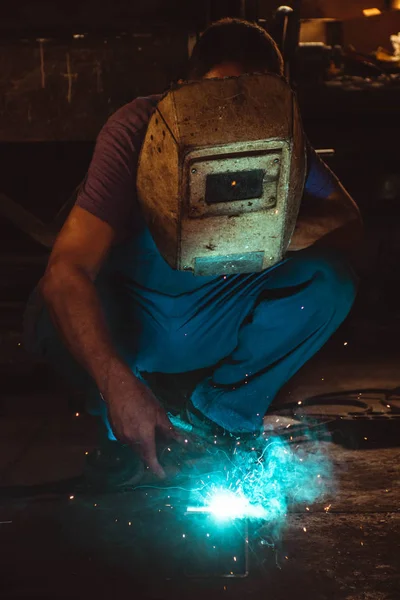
221 174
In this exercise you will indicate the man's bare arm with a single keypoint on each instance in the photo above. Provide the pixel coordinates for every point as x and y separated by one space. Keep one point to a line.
71 297
69 292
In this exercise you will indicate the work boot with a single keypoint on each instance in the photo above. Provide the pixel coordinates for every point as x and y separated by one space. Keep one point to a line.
207 429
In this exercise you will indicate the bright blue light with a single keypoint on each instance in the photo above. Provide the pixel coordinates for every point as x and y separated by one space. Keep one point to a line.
261 483
225 504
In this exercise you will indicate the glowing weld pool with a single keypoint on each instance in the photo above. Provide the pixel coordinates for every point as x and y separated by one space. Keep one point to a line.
225 504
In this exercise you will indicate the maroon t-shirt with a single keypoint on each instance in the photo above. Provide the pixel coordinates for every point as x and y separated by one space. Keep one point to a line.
109 190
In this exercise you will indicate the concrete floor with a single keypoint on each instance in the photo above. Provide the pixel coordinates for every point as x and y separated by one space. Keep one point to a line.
52 546
57 547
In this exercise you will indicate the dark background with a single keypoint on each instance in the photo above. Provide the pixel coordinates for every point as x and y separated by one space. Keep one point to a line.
65 67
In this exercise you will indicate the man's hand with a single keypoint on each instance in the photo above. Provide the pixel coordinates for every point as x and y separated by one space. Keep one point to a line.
136 415
74 305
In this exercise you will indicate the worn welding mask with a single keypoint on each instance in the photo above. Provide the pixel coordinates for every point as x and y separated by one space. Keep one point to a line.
221 174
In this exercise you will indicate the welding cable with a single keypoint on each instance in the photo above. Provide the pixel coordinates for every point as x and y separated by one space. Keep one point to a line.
345 398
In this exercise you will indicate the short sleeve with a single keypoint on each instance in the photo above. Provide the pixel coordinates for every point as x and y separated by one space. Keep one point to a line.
108 191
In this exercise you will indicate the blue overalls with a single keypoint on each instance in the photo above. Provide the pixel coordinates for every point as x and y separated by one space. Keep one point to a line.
256 329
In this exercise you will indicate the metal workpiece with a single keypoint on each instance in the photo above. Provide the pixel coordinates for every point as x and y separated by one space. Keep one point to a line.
221 174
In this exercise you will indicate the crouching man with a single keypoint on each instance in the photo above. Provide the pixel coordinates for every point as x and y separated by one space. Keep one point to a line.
207 233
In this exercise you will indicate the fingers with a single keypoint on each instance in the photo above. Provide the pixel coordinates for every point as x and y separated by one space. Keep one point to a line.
149 455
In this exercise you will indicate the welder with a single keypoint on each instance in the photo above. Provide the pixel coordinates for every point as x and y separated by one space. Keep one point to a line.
207 234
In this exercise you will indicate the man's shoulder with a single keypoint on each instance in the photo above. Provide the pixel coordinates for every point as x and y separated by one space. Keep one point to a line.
135 115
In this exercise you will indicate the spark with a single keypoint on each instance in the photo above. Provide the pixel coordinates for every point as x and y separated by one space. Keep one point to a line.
327 508
77 414
305 529
129 523
261 482
183 535
86 452
345 344
302 308
71 497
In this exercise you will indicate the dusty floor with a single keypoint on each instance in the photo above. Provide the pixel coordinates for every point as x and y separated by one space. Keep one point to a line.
54 546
